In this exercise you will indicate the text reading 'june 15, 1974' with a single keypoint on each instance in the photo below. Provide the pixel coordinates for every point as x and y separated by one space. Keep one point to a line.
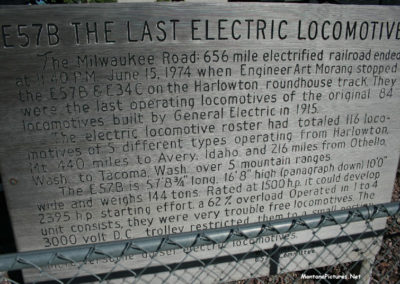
126 127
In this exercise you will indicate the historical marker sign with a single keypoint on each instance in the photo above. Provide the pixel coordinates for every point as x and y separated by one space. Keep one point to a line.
126 121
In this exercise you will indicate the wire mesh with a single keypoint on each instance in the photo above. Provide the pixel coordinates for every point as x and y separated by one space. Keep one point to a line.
365 248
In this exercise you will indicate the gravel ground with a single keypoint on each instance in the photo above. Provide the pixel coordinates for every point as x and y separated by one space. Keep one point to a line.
387 269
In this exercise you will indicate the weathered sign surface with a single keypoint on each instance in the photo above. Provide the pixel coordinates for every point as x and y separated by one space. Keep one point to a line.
126 121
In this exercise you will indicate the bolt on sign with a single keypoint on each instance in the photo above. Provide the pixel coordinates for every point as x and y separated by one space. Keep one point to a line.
129 121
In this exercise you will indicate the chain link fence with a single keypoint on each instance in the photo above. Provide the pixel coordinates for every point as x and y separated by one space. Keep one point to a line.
291 250
365 249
